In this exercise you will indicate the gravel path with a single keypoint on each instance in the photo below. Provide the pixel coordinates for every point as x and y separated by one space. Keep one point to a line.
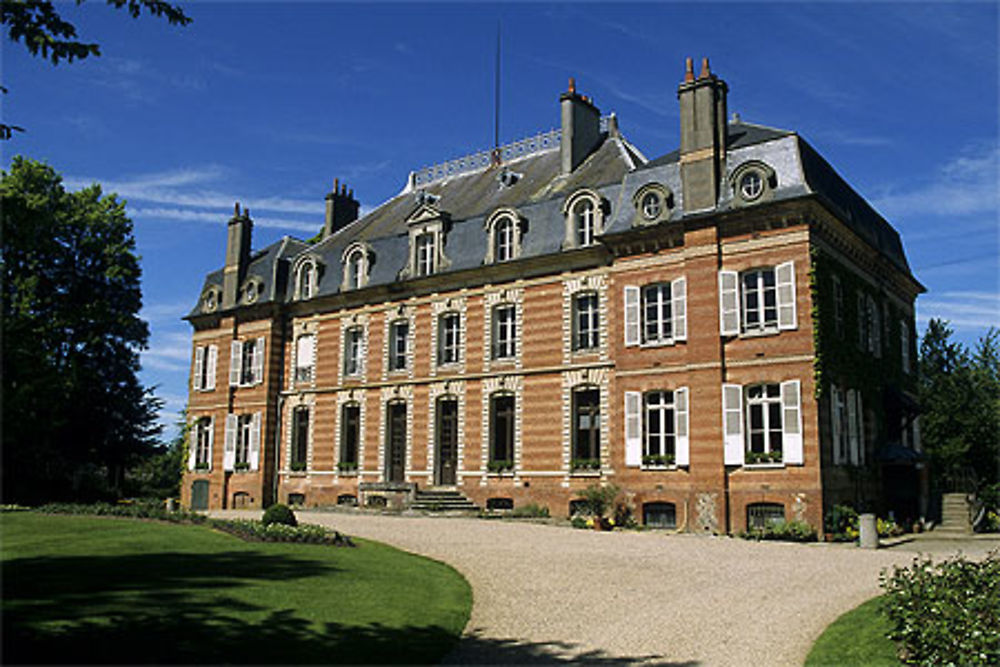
556 595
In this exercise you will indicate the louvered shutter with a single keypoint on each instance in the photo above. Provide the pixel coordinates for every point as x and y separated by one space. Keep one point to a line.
678 302
192 443
213 364
235 361
791 422
836 400
732 423
852 426
632 319
258 361
199 367
785 278
729 303
682 448
633 429
229 453
254 457
211 440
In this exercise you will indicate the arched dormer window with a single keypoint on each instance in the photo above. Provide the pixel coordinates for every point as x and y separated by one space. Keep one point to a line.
585 214
752 182
357 261
653 203
305 273
504 228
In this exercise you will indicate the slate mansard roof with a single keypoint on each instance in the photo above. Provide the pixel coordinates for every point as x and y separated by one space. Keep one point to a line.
614 169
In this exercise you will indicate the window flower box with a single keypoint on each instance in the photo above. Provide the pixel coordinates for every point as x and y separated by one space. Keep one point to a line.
585 465
763 457
347 468
201 466
298 466
658 460
500 467
241 466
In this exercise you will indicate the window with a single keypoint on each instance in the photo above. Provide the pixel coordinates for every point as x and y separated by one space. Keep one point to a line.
584 223
305 348
583 213
242 451
839 427
759 300
504 239
656 428
656 314
356 269
206 359
305 284
586 322
300 438
201 449
244 430
653 203
352 351
838 306
587 429
752 182
350 436
502 432
762 423
659 515
246 362
762 515
425 249
904 344
658 447
399 333
651 206
504 331
874 328
449 338
751 185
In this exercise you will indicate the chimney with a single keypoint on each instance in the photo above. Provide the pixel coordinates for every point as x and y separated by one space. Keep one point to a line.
703 136
581 128
237 255
341 208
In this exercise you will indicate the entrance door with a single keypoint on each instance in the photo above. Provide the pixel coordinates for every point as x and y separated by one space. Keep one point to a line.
396 445
447 441
199 494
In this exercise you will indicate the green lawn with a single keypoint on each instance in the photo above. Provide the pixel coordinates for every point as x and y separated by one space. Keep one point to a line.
97 590
856 638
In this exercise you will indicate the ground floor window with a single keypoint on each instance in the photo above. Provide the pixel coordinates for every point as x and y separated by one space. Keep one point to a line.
244 432
502 416
659 442
659 515
761 515
350 436
587 429
300 438
297 499
764 431
203 440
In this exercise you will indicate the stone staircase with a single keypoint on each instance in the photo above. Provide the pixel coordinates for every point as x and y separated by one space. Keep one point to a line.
442 500
954 516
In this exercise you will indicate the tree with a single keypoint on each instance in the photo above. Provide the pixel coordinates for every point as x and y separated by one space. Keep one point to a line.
960 394
41 29
71 338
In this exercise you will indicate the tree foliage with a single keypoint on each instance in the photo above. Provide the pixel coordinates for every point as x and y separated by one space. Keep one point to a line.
960 394
74 411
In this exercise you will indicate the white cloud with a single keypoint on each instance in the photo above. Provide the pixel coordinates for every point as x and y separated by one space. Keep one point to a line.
963 309
165 312
188 215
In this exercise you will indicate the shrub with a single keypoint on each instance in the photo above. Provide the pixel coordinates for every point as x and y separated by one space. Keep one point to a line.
785 531
531 510
597 499
140 509
578 522
280 514
257 531
945 613
841 518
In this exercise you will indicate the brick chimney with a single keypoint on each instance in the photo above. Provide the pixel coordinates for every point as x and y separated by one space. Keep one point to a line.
581 128
703 137
341 208
237 255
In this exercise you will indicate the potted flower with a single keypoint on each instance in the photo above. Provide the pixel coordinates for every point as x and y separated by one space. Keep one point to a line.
597 500
500 466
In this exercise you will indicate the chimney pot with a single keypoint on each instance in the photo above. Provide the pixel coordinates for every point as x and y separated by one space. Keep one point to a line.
688 70
572 85
236 210
705 72
336 184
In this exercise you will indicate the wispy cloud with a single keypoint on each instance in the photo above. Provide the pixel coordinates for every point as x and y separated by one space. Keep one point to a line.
964 309
966 185
846 138
164 312
214 217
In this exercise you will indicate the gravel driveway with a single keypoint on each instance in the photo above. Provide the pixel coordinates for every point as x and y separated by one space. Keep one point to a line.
552 594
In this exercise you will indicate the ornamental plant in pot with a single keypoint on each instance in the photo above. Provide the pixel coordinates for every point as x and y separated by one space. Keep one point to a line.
597 501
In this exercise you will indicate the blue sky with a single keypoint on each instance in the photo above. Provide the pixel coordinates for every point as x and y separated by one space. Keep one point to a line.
267 103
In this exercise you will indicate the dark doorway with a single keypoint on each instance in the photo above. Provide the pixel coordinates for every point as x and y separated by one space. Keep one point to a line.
396 443
199 494
447 441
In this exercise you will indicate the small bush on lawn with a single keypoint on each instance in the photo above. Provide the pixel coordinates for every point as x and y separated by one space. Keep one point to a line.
945 613
786 531
280 514
531 510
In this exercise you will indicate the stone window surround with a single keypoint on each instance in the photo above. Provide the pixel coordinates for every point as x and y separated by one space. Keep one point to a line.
438 308
666 196
519 225
600 216
597 283
503 384
427 219
571 382
356 397
309 261
300 401
388 395
395 314
769 181
437 390
349 281
492 299
299 329
251 290
359 320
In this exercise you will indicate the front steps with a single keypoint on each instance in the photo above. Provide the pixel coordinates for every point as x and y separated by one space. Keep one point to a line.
954 515
442 500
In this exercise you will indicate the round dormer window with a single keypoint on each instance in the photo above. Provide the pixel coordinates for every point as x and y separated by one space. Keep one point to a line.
251 292
210 302
751 185
651 206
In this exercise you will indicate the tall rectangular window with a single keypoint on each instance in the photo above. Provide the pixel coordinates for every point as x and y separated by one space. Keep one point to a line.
586 322
656 315
203 443
760 300
350 435
504 331
425 254
244 430
304 361
659 445
398 339
904 344
764 429
449 338
300 438
838 306
502 429
587 428
352 351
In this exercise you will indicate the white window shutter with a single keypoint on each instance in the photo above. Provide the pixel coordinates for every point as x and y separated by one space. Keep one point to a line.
632 322
213 364
192 443
729 303
791 422
785 278
229 453
254 457
199 366
835 402
682 448
211 440
258 361
732 423
633 429
852 426
235 361
678 303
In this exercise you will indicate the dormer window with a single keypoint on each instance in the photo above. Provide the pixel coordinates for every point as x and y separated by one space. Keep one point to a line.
584 219
504 228
425 254
651 206
653 203
357 261
504 240
428 227
305 273
210 299
752 182
751 185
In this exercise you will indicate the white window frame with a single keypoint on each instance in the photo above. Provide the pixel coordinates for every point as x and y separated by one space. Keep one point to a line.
399 335
206 362
449 350
356 260
354 351
733 297
425 253
242 442
736 408
586 328
202 436
246 362
504 239
637 321
504 326
306 280
584 219
305 358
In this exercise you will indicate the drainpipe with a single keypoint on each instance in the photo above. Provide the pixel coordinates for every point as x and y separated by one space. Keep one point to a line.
277 446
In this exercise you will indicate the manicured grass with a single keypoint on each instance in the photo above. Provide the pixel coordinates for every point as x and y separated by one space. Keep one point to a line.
856 638
101 590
